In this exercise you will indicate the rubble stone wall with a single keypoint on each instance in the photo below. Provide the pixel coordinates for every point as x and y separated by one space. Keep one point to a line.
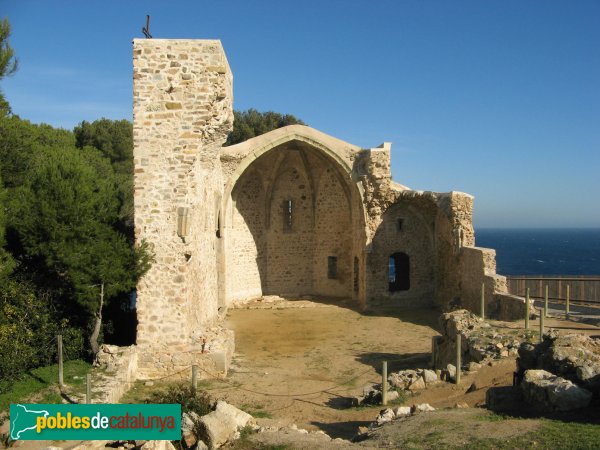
266 255
182 106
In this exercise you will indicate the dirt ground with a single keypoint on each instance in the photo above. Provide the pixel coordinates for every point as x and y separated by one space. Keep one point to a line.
328 351
300 362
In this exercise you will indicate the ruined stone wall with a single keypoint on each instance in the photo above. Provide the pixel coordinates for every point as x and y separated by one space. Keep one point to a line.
182 105
454 230
333 237
290 252
436 229
263 257
246 252
406 227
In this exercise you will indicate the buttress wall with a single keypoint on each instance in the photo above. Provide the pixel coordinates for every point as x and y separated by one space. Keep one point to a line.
182 107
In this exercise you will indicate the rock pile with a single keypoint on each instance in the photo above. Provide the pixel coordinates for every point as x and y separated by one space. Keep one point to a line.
574 357
549 392
481 342
388 415
404 380
413 380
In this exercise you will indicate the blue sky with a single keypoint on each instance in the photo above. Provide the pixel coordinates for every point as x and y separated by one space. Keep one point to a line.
500 99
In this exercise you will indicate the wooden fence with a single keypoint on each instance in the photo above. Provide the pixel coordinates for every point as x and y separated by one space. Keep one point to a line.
585 289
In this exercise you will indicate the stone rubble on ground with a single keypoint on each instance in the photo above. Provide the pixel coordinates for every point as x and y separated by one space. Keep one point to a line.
423 407
388 415
220 426
549 392
157 445
404 380
575 357
481 342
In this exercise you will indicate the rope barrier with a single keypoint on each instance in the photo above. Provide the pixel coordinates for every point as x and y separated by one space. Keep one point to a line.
235 386
162 378
270 394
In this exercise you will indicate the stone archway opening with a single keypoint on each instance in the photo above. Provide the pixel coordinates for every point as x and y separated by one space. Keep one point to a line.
294 227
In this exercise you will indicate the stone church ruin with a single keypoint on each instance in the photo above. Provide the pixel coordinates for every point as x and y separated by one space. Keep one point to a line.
294 213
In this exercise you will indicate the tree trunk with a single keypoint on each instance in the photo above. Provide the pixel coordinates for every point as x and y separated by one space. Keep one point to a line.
98 323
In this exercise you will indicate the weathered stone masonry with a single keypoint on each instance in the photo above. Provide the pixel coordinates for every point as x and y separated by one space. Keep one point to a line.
182 105
294 212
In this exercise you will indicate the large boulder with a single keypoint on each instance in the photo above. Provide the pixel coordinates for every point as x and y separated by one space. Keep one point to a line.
158 445
219 426
575 357
549 392
189 428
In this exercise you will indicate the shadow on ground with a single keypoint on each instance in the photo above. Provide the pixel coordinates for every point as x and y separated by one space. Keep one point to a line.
427 316
396 361
344 430
509 402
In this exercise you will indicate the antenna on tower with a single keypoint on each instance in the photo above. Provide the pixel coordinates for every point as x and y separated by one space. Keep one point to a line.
146 29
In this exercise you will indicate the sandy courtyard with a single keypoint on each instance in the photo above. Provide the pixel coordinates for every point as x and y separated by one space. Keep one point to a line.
300 364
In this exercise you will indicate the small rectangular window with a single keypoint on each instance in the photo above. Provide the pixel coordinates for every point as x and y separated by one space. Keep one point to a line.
332 267
399 224
287 215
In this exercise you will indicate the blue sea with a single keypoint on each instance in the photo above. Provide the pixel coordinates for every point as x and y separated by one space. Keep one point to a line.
571 251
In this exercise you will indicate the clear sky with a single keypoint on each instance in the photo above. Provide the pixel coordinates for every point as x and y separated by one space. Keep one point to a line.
500 99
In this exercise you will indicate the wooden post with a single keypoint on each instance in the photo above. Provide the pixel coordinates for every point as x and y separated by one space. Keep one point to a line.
541 326
88 388
567 308
384 384
60 360
458 357
482 309
433 351
546 301
194 378
527 310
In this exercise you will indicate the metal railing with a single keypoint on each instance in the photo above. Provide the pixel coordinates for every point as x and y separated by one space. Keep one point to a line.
584 289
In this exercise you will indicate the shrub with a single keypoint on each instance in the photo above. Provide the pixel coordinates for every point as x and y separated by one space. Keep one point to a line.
28 327
198 402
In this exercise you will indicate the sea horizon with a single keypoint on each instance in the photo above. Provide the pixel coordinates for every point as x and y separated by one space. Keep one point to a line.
543 251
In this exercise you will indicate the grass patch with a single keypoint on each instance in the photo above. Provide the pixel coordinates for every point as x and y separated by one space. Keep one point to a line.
550 435
39 383
256 411
491 417
140 393
403 397
246 443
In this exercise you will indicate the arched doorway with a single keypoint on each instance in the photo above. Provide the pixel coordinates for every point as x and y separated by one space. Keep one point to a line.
295 227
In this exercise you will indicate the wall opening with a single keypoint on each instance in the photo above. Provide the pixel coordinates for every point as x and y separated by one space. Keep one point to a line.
288 215
332 267
290 231
355 282
399 272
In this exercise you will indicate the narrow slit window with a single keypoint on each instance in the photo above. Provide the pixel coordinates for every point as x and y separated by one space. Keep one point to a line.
399 224
332 267
288 208
356 274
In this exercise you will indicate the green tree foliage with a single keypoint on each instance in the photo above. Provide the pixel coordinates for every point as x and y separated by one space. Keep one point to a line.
8 61
64 216
21 142
7 263
251 123
28 324
114 138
